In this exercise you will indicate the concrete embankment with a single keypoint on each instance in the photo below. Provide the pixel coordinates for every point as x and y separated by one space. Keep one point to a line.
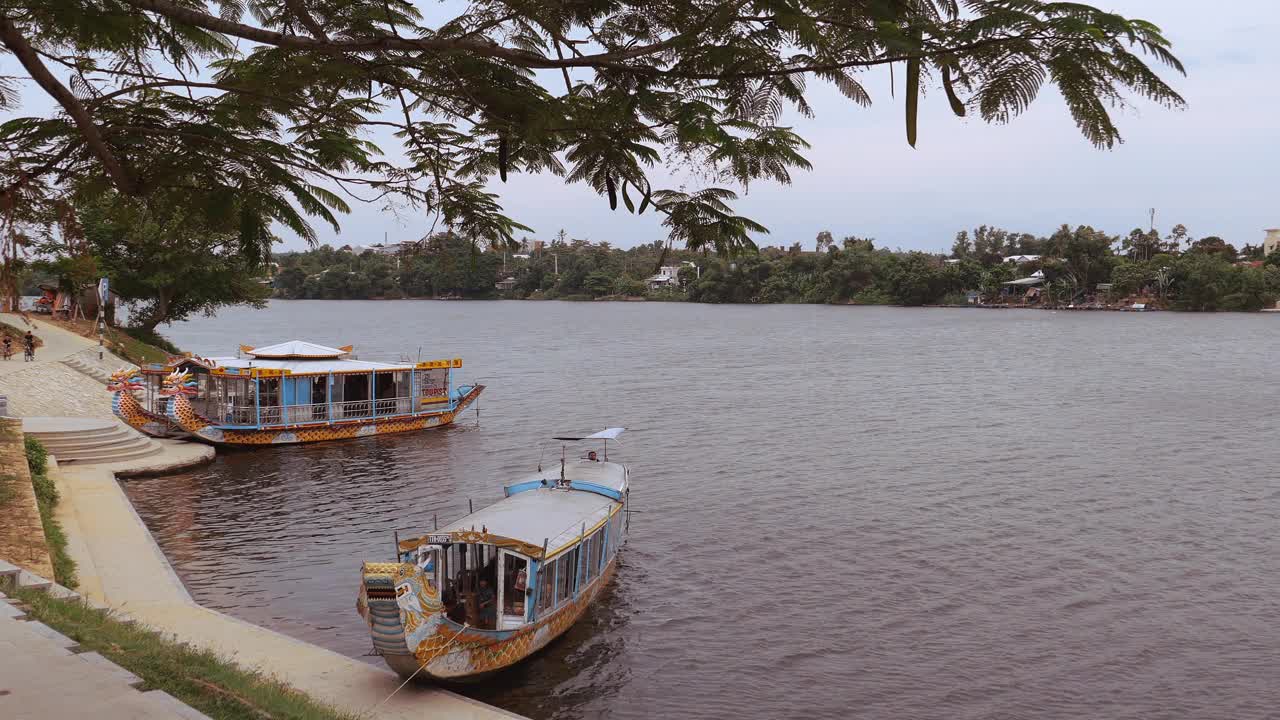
120 565
21 532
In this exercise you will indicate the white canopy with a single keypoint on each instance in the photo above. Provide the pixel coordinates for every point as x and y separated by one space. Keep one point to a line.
606 434
297 349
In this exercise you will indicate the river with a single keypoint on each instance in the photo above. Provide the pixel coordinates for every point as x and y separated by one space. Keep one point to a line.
846 512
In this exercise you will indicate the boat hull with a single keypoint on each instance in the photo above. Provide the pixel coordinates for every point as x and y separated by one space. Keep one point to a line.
448 652
126 407
181 412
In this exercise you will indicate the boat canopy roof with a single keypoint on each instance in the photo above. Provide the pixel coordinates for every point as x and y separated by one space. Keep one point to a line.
606 434
298 349
606 474
549 514
303 367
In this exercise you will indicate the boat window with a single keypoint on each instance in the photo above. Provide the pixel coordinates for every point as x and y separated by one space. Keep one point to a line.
428 561
515 583
594 553
470 584
566 575
546 586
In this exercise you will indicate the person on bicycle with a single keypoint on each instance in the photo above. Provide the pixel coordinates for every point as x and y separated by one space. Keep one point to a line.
8 347
29 344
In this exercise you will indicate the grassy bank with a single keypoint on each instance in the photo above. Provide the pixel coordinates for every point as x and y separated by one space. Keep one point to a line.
219 689
135 346
64 568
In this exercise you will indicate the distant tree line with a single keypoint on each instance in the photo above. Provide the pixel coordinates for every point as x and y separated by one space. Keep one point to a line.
1078 265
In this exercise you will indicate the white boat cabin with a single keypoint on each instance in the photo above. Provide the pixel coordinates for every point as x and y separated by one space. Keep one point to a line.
527 555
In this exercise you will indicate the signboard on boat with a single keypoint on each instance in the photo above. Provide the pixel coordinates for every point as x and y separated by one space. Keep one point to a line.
439 539
439 364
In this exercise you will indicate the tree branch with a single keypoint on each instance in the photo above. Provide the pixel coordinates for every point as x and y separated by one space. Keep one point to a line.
26 55
485 48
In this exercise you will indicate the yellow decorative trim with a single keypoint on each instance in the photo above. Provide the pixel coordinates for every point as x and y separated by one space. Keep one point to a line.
476 536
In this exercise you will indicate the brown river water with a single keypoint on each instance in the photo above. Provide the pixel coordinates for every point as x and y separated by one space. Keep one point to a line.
846 512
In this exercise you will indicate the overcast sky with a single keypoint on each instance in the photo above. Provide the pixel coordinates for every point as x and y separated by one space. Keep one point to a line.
1214 166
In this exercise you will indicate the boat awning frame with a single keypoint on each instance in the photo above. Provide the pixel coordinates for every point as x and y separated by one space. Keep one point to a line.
606 434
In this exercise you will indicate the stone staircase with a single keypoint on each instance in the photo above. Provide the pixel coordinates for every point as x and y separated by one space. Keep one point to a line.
89 441
43 673
86 362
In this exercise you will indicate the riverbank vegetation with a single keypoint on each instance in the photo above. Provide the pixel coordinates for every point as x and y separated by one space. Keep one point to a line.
183 136
215 687
64 568
1071 267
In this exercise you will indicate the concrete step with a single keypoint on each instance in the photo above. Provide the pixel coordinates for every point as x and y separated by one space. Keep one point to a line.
88 442
92 442
110 456
109 428
118 432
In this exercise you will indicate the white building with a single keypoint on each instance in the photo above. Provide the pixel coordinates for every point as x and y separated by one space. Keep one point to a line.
1272 242
668 276
1019 259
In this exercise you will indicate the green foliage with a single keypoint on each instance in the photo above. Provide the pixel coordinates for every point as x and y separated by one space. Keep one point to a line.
258 114
155 339
171 261
37 458
46 492
199 678
445 265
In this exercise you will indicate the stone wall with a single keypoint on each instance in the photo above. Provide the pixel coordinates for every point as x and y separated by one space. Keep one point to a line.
21 533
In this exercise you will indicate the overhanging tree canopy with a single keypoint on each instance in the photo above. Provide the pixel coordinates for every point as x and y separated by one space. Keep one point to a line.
264 108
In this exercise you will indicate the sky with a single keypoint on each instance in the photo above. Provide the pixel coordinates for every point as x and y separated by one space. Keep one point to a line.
1214 166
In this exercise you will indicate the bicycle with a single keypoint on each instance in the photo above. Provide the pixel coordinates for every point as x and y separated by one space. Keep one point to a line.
29 354
7 352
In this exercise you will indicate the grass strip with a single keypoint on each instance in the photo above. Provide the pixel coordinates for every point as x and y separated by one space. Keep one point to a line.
64 568
218 688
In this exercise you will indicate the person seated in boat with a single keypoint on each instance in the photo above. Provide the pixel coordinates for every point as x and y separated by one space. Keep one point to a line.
454 608
592 456
487 601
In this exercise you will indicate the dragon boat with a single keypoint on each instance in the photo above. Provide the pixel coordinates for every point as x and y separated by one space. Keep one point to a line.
488 590
296 392
137 398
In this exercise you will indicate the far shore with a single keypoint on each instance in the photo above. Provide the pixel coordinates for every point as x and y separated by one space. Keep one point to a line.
1115 307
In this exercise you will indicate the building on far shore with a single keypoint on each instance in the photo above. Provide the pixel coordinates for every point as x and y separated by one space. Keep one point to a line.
1020 259
668 276
1272 242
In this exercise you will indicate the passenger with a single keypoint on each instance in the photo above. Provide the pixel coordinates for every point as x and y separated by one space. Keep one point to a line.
592 456
488 611
455 609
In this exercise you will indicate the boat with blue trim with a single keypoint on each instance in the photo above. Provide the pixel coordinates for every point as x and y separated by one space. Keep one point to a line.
296 391
486 591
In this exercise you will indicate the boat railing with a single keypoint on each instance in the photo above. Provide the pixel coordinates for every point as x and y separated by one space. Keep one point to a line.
316 412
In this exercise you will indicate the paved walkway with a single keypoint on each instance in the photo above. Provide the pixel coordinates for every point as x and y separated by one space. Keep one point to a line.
49 387
41 676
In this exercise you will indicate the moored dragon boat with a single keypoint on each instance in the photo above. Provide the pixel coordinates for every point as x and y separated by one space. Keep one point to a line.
296 392
488 590
137 399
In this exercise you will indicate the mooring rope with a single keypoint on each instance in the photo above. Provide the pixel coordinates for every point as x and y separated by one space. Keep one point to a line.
420 667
